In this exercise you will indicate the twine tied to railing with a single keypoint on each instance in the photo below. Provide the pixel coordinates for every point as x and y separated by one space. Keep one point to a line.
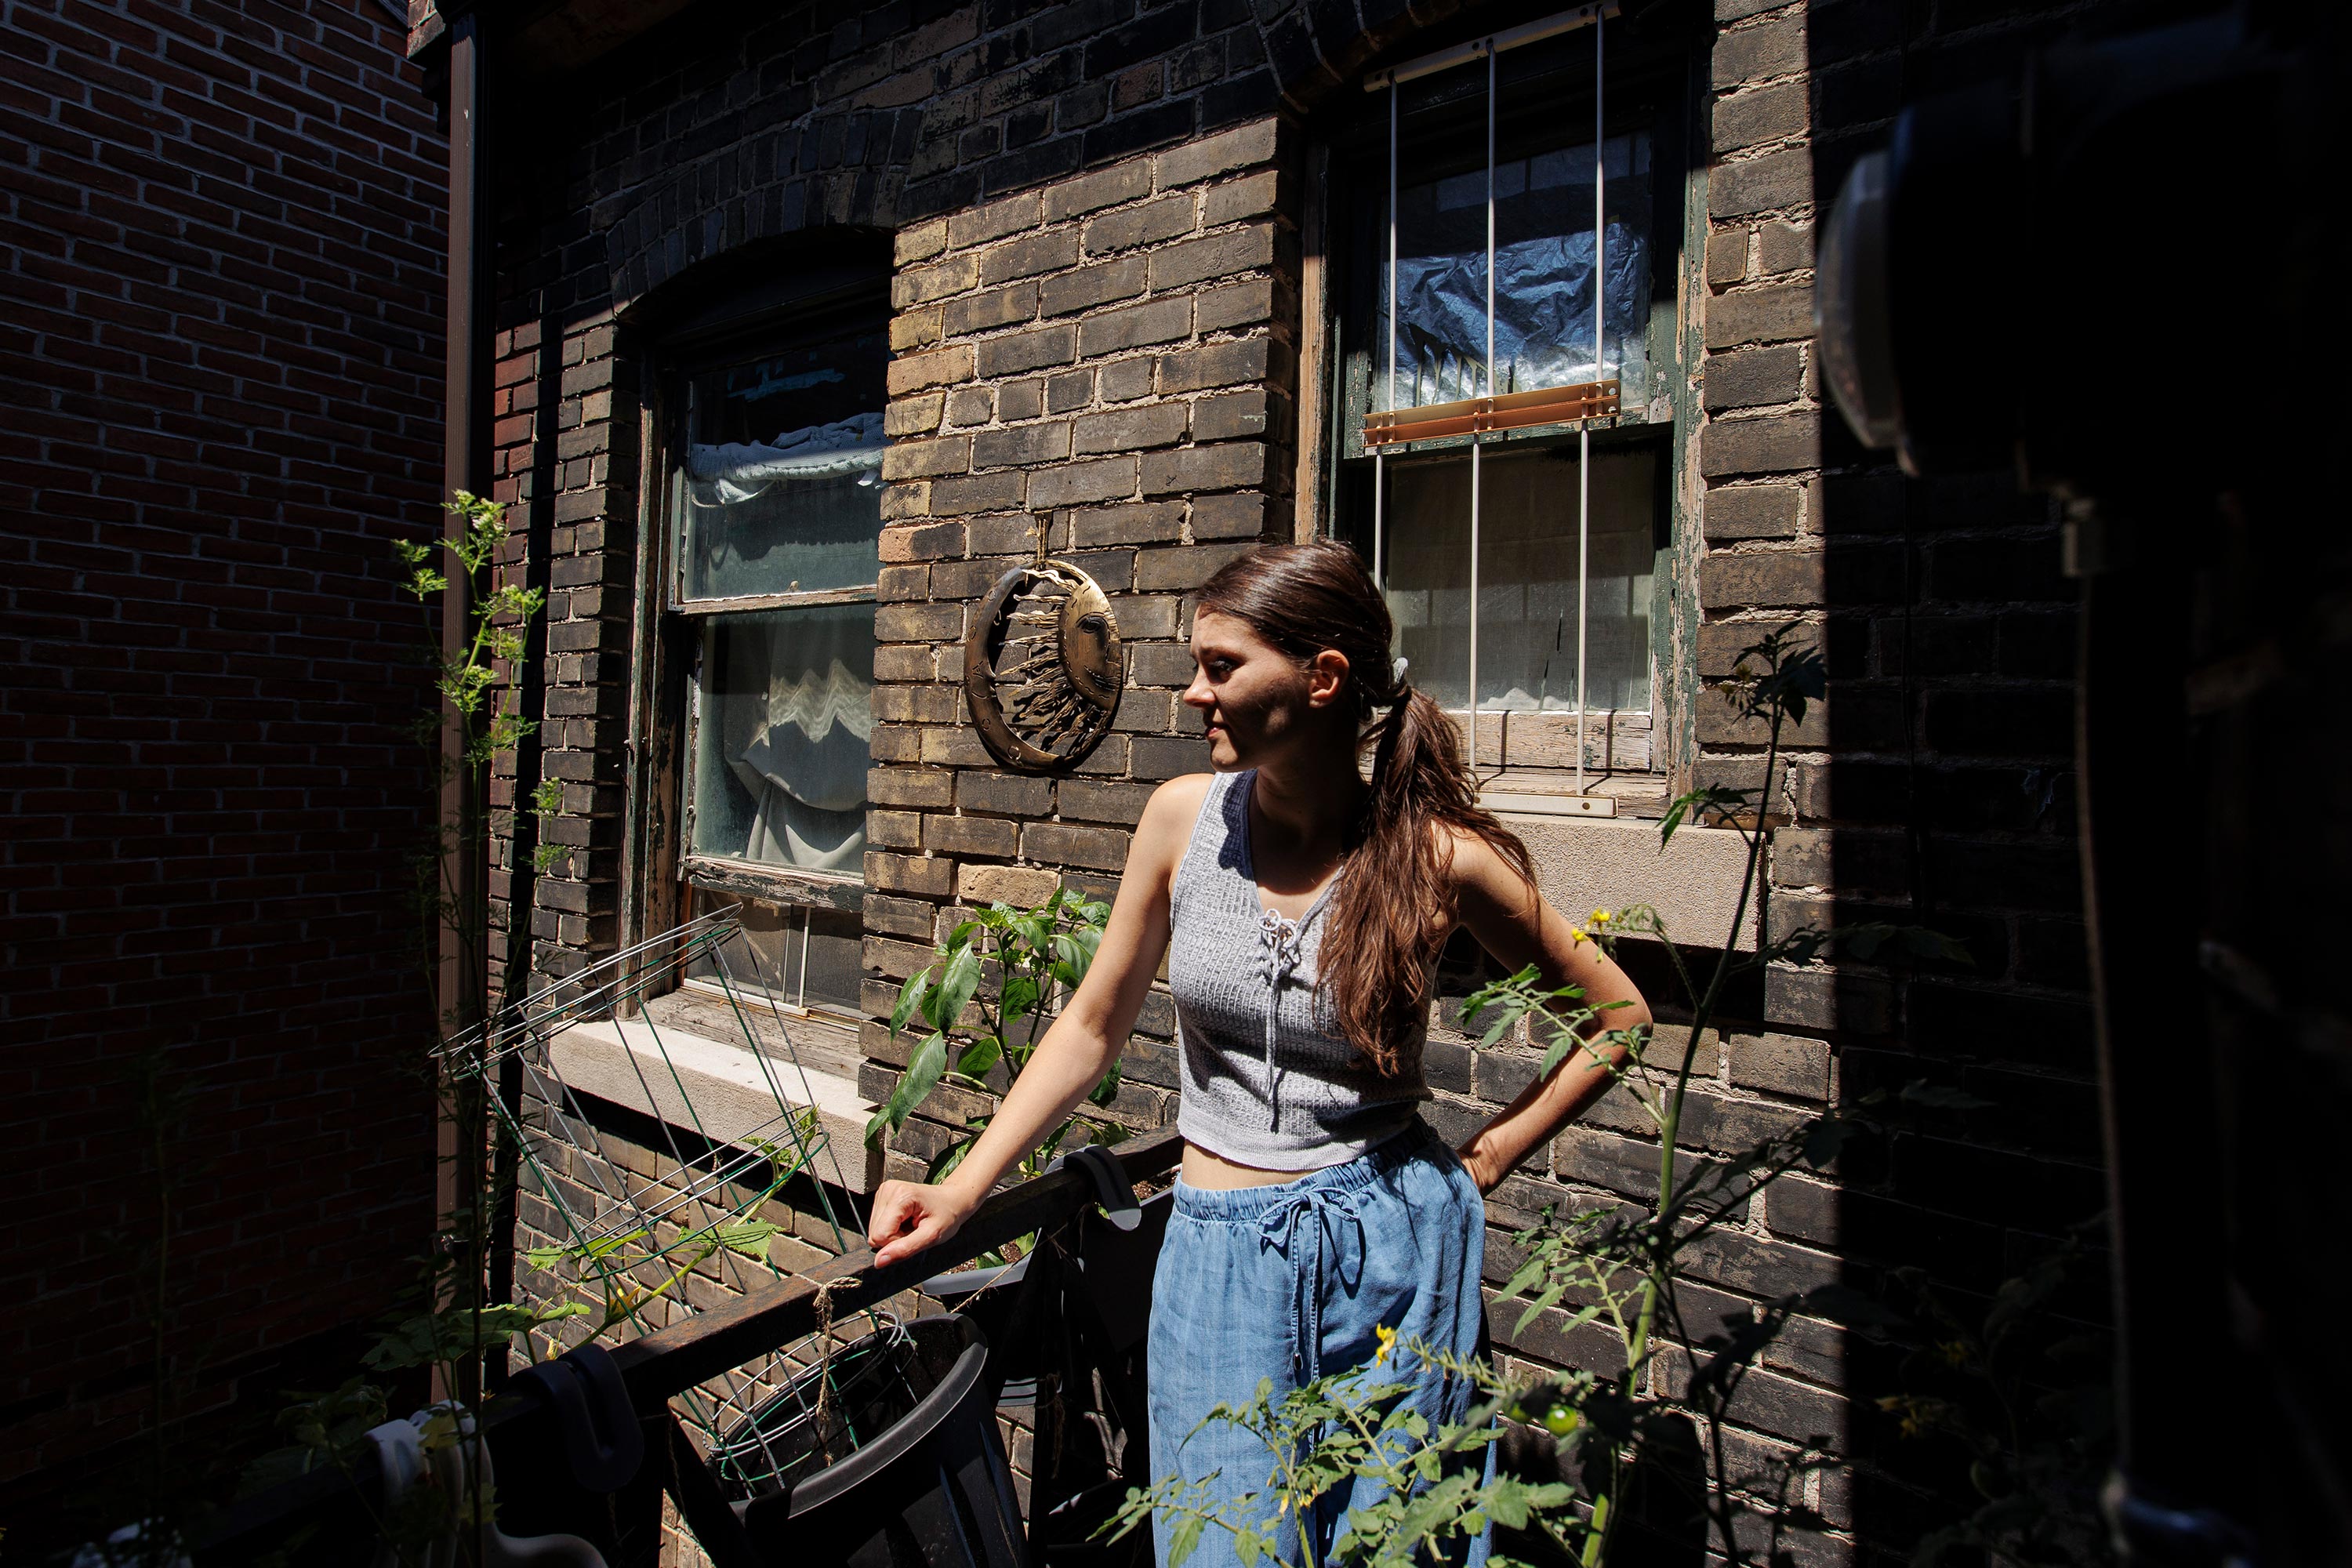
825 1361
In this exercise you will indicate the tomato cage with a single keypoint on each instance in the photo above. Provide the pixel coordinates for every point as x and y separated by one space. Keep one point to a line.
678 1138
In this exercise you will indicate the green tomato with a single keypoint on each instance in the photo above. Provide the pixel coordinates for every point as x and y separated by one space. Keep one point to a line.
1561 1420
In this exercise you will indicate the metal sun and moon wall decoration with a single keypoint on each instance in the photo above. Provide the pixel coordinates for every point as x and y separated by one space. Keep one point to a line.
1044 667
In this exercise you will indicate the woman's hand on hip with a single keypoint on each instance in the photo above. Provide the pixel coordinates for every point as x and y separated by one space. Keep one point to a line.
909 1216
1482 1167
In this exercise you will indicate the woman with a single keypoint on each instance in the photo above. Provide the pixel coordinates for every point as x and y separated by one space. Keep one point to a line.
1302 912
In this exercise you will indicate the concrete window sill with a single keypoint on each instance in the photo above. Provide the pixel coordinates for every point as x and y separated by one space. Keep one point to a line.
1584 863
727 1086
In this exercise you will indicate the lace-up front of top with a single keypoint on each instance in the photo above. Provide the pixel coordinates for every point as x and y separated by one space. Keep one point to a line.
1269 1080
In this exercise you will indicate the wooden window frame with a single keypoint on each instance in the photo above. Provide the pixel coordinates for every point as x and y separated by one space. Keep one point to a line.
662 867
1652 96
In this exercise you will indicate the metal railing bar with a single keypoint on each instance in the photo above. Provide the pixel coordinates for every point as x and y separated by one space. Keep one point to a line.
672 1361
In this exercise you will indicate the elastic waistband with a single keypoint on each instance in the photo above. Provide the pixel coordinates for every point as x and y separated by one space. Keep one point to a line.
1247 1205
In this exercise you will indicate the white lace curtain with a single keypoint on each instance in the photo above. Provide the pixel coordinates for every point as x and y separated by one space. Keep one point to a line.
801 511
732 472
793 720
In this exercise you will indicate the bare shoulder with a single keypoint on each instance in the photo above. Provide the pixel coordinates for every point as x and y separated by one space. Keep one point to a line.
1477 870
1182 795
1167 823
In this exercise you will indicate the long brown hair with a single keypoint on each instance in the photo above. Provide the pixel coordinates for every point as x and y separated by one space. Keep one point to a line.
1392 910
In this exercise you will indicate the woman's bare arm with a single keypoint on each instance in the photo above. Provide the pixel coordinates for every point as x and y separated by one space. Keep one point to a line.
1512 921
1086 1037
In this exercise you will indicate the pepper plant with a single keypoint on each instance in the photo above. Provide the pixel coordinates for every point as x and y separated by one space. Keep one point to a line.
1039 956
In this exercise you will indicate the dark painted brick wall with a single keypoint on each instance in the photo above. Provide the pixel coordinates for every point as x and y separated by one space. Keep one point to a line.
220 358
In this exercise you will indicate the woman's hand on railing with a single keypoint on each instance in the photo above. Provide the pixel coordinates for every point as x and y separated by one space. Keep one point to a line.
910 1217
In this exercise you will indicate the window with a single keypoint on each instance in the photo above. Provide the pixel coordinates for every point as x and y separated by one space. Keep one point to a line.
1500 327
774 514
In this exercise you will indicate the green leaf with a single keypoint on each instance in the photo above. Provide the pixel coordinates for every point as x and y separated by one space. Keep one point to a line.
1073 955
1183 1539
910 996
1844 1304
750 1238
1020 996
1696 806
1925 944
980 1055
1825 1138
447 1337
946 1002
943 1164
922 1074
1567 1045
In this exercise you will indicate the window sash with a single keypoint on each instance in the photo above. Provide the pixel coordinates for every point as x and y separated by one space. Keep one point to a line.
740 748
794 897
781 956
749 604
1529 589
768 483
1485 413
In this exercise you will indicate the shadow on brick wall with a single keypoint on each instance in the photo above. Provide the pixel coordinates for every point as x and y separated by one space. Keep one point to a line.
1943 797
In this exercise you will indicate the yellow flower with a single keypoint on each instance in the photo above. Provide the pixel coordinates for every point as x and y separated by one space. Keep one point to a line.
1388 1338
1578 933
1600 918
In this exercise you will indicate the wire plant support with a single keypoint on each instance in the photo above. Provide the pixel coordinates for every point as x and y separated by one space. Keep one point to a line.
1489 414
635 1237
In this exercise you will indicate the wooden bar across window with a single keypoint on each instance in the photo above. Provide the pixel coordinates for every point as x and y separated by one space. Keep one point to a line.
1512 411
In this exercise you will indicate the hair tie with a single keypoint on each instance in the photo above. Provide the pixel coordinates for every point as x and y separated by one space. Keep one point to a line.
1401 689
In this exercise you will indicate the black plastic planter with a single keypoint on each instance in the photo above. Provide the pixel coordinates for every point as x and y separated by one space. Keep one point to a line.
927 1486
1071 1317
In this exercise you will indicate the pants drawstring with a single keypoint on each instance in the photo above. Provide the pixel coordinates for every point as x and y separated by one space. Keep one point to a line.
1278 1228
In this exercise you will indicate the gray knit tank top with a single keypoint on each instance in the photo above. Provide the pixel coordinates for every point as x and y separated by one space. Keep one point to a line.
1268 1081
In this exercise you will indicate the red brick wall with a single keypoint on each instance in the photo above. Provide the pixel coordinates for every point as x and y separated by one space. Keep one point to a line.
220 356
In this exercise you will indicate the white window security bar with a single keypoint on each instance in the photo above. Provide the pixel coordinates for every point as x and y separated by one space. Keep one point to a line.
1483 416
1380 459
1584 426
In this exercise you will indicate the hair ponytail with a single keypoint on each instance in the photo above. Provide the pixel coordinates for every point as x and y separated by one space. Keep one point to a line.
1394 909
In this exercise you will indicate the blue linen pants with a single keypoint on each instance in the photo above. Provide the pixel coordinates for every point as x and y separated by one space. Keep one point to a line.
1289 1283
